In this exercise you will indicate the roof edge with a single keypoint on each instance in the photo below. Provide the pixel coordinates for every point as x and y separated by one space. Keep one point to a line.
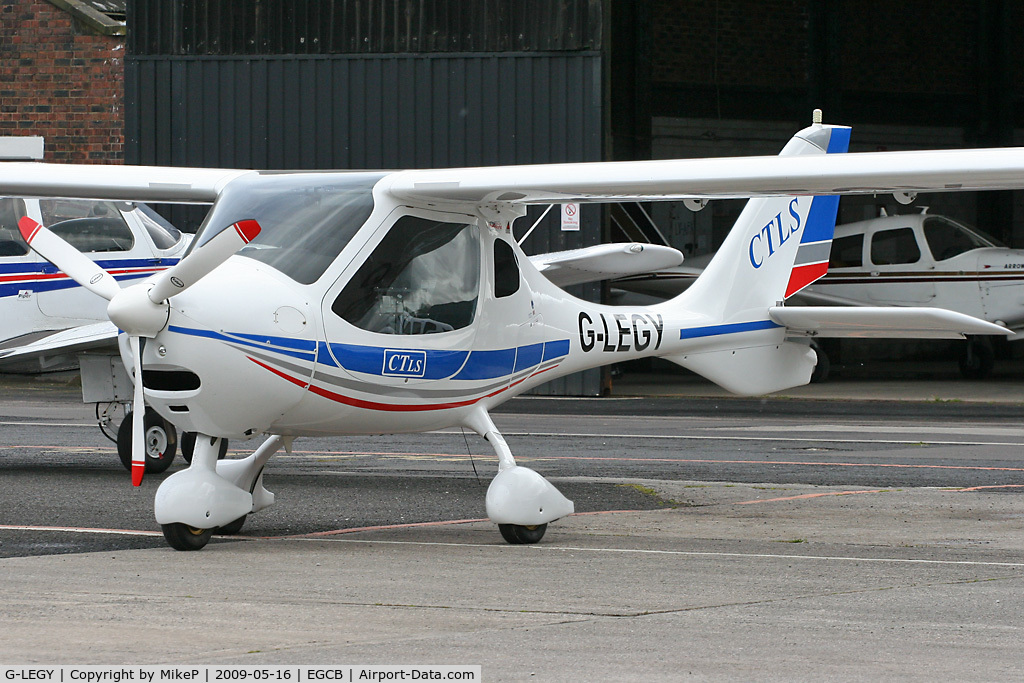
91 17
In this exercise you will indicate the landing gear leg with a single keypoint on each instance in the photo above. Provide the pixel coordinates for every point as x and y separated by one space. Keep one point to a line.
191 503
519 500
978 358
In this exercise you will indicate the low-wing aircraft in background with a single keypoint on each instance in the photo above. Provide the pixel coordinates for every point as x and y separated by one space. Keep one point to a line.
398 302
47 319
918 259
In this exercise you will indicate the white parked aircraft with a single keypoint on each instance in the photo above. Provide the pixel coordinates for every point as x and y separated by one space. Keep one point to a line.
46 316
918 259
387 302
47 319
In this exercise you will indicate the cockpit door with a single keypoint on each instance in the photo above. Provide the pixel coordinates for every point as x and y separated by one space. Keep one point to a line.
405 313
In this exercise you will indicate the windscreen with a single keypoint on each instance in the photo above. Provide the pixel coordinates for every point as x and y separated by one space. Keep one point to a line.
306 218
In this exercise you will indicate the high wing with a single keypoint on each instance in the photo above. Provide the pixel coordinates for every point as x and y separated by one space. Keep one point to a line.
116 182
49 351
727 177
890 322
604 262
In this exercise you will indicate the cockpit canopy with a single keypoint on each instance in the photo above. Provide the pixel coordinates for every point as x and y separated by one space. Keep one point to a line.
306 218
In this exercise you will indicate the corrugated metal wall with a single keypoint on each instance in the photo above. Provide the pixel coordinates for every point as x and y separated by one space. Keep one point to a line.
310 27
374 111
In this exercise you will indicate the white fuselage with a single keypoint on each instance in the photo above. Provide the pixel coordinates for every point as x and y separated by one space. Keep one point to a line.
925 260
249 350
37 298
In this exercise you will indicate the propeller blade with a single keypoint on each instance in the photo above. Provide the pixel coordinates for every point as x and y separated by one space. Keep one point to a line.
202 260
75 265
138 416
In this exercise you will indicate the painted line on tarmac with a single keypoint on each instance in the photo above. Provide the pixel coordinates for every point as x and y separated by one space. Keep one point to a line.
326 455
809 495
91 425
765 437
676 553
79 530
383 527
996 486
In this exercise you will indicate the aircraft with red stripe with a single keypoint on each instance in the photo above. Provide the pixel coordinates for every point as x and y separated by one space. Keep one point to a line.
334 303
48 318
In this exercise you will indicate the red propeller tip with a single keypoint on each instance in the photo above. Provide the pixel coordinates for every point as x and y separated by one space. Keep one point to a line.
28 228
247 230
138 469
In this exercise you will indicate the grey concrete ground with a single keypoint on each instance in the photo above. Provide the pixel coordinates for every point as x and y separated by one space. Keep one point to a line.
740 580
907 585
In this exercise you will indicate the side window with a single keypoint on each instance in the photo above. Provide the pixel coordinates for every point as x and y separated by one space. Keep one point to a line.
163 234
947 239
847 252
893 247
506 270
11 211
423 278
87 226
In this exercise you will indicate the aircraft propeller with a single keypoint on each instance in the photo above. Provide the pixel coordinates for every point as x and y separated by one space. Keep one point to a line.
141 310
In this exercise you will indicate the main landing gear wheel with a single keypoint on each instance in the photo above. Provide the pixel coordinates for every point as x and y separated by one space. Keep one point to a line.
184 537
231 528
978 358
822 366
188 446
517 534
161 442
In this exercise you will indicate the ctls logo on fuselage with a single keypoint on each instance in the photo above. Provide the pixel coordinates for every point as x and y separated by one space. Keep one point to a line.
770 239
405 363
621 332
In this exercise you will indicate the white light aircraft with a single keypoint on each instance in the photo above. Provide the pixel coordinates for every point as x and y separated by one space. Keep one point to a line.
47 319
397 302
46 316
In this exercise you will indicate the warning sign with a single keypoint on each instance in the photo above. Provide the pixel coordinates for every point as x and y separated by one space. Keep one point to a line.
570 217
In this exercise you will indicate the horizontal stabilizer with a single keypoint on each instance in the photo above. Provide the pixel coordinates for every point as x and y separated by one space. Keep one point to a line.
604 261
889 322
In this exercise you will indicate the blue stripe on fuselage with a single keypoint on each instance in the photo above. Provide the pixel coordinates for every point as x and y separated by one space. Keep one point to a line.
729 328
369 360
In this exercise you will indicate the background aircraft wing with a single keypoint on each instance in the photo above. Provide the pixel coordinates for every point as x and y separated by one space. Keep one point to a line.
55 350
604 261
727 177
890 322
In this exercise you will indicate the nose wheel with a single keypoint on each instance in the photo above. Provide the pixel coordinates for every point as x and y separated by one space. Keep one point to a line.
518 534
184 537
160 438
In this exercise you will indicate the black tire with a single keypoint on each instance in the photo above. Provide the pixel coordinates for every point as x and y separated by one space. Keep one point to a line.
517 534
978 358
188 446
231 528
161 442
822 367
184 537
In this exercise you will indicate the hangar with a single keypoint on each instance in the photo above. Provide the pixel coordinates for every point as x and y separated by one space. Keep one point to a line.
434 83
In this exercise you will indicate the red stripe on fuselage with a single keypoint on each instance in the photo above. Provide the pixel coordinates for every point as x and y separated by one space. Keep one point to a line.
389 407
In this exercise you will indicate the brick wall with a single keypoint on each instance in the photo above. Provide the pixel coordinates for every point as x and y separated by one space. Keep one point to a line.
61 81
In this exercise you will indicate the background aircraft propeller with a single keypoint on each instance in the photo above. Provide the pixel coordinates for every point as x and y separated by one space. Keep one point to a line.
140 310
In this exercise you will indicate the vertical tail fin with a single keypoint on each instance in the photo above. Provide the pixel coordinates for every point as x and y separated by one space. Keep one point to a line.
778 246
